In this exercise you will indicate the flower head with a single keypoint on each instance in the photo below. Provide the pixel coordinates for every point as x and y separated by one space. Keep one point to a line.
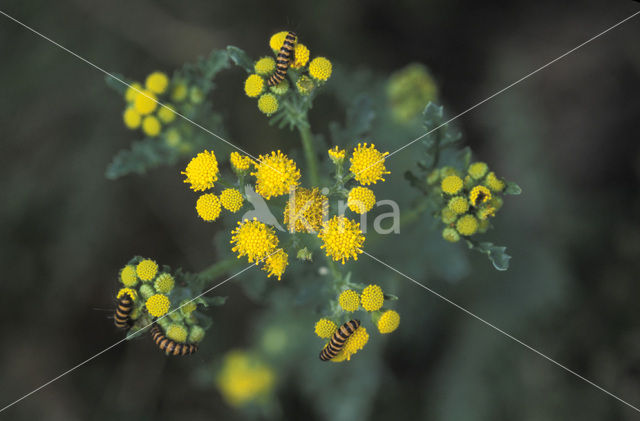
128 276
467 225
253 239
145 102
276 263
305 85
131 118
367 164
305 210
448 216
157 82
388 321
494 183
477 170
132 91
485 212
372 298
349 300
275 175
253 86
231 199
450 234
179 92
300 56
244 379
208 207
276 40
147 269
177 332
151 126
479 195
451 184
361 200
158 305
325 328
202 171
268 104
353 344
127 291
458 204
166 114
240 163
265 66
320 68
196 334
341 238
336 154
164 283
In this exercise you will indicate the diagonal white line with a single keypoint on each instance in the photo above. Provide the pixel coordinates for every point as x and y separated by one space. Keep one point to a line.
459 307
121 341
502 90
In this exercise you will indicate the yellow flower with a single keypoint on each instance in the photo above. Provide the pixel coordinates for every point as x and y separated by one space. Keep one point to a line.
164 283
467 225
449 216
145 102
166 114
277 40
325 328
275 175
254 240
320 68
408 90
276 263
265 66
202 171
231 200
477 170
450 234
485 212
479 195
196 334
336 154
305 210
353 344
128 276
361 200
459 204
131 118
300 56
268 104
151 126
372 298
341 238
253 86
240 163
367 164
494 183
158 305
179 92
244 379
132 91
305 85
451 184
349 300
157 82
177 332
147 269
208 207
388 322
128 291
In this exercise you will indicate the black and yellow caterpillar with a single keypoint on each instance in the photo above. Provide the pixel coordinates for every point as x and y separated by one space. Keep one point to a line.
338 339
124 307
169 346
285 56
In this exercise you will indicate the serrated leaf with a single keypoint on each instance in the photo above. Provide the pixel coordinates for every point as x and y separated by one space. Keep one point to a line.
240 58
218 60
143 155
496 254
512 188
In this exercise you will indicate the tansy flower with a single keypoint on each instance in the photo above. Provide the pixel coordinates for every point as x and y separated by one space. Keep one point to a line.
244 379
158 305
276 40
493 182
467 225
449 216
127 291
479 195
131 118
458 204
164 283
281 88
240 163
157 82
265 66
132 91
145 102
151 126
147 269
349 300
477 170
372 298
253 86
275 175
231 199
451 235
177 332
188 307
208 207
128 276
146 291
336 154
305 85
305 210
388 322
320 68
361 200
268 104
166 114
341 238
325 328
367 164
202 171
300 56
254 240
451 184
276 263
179 92
353 344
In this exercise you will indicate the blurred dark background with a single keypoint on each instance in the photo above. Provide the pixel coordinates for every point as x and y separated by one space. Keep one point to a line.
567 135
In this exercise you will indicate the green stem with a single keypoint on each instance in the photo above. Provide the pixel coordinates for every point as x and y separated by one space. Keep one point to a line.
309 153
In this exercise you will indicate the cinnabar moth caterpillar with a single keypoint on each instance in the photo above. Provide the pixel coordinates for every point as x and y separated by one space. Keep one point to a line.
285 56
124 307
169 346
338 339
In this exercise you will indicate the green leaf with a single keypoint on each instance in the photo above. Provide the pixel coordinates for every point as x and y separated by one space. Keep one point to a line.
360 116
434 122
512 188
240 58
143 155
218 60
214 301
496 254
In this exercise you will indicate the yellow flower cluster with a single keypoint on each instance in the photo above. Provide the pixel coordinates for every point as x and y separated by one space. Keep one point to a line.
244 379
388 321
353 344
253 239
202 171
361 200
325 328
408 90
341 238
275 175
305 210
147 269
128 276
336 154
177 332
349 300
231 200
208 207
164 284
240 163
367 164
276 263
158 305
372 298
